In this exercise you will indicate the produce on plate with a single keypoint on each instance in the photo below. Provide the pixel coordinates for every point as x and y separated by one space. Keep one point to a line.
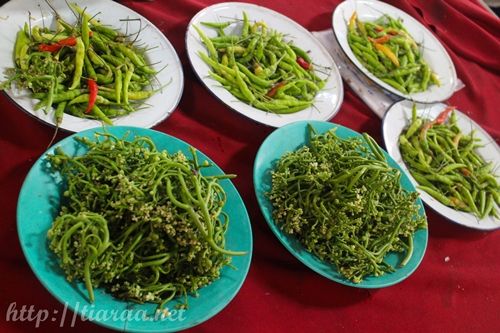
386 49
445 163
257 66
345 204
144 224
88 69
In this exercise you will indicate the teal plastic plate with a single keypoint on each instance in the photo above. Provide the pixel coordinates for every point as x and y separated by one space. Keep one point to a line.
38 204
292 137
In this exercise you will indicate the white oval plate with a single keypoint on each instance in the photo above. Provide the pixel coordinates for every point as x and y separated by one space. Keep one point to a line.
327 101
433 52
155 109
398 117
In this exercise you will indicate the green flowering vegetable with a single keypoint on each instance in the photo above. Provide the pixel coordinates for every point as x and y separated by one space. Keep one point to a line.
145 225
345 204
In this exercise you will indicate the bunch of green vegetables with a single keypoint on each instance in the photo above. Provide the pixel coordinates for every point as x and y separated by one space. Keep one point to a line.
444 162
144 224
88 70
260 68
345 204
387 50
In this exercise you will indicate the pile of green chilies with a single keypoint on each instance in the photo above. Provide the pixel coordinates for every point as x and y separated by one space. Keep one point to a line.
387 50
144 224
259 68
88 70
345 204
444 162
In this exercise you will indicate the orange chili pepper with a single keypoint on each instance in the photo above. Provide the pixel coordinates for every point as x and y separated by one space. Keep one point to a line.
387 52
392 31
441 118
465 172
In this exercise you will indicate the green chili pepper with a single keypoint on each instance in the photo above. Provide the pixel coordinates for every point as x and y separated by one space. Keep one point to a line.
21 45
246 25
85 31
89 68
208 43
395 85
84 98
242 85
58 114
216 25
99 114
255 79
118 84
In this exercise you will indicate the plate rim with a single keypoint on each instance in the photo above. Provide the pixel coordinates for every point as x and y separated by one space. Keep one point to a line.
281 235
360 68
92 123
428 200
109 324
230 105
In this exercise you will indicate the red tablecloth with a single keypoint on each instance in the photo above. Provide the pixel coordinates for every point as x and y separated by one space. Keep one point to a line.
461 294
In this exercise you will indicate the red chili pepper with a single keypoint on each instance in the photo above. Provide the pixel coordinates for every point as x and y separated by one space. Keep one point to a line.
91 33
465 172
441 118
275 89
70 41
93 89
378 28
302 63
